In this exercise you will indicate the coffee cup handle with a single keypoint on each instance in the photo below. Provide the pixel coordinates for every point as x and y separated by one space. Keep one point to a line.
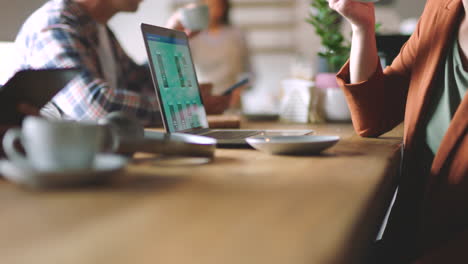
11 137
114 140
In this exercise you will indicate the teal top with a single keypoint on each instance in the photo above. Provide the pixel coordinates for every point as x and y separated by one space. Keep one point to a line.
450 88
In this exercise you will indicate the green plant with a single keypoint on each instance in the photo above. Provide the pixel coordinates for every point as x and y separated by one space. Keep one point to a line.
327 25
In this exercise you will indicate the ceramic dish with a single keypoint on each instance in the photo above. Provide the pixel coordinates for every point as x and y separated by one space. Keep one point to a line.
292 145
105 167
261 116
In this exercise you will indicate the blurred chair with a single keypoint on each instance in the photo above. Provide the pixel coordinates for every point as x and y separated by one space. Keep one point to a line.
7 56
389 46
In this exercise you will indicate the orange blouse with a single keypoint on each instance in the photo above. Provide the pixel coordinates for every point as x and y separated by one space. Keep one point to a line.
429 220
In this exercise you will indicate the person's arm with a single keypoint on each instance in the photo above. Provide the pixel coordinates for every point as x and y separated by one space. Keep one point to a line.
377 103
88 96
363 57
246 70
137 76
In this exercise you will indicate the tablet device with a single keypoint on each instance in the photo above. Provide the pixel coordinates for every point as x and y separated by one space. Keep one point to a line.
235 86
35 87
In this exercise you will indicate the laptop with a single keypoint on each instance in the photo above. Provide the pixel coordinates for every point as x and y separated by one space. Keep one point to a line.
177 90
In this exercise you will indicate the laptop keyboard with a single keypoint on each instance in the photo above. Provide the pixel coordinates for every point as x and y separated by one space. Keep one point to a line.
230 134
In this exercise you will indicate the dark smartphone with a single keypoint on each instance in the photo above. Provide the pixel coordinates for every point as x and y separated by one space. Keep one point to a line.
34 87
235 86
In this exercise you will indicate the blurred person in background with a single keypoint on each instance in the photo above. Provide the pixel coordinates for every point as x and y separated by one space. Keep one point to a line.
74 33
220 53
425 87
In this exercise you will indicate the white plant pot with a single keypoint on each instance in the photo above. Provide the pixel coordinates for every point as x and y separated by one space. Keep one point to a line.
334 105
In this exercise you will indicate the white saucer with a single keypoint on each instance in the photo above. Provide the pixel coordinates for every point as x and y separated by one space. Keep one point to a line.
105 166
292 145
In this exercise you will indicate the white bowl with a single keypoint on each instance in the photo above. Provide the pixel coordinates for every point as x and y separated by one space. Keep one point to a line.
292 145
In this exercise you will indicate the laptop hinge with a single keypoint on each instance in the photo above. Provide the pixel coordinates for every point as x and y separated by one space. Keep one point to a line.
197 131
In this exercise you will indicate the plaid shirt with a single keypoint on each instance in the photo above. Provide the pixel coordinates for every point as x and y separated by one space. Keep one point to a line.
61 34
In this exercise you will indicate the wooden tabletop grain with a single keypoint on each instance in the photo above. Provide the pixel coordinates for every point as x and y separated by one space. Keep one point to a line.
242 207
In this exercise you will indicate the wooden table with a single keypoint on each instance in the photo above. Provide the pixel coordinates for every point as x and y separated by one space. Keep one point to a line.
244 207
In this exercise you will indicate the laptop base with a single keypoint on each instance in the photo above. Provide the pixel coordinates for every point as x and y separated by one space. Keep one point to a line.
225 140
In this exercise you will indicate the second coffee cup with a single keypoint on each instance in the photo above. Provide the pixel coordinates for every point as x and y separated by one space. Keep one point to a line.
195 17
56 145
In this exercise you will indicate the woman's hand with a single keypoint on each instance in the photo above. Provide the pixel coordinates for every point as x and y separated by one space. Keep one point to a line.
214 104
235 102
360 15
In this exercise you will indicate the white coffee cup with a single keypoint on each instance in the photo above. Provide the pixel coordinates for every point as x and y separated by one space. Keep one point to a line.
195 17
57 145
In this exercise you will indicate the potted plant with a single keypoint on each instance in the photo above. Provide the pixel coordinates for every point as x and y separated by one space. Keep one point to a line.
333 54
326 22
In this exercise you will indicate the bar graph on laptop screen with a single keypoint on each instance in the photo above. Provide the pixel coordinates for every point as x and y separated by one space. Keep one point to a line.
178 88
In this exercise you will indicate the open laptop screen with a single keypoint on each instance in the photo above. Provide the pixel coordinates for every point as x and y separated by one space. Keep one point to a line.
175 79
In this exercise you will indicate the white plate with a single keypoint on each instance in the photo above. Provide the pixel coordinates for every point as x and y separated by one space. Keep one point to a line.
105 166
367 1
292 145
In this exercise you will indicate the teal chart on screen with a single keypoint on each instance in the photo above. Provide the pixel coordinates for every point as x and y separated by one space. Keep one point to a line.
177 83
